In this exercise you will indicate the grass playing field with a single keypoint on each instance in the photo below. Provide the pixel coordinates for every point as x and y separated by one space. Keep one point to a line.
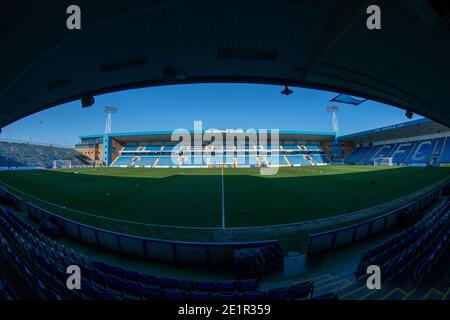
197 197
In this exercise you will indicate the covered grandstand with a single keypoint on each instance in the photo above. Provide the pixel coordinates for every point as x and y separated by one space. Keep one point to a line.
416 143
156 149
152 220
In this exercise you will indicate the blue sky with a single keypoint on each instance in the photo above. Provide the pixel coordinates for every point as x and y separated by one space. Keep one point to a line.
221 106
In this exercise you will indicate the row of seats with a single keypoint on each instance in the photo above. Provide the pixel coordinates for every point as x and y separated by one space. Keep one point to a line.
14 154
41 260
407 248
5 292
430 260
420 152
213 148
239 161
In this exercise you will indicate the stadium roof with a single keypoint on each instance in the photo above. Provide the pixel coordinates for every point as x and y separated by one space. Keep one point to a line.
409 129
322 44
165 135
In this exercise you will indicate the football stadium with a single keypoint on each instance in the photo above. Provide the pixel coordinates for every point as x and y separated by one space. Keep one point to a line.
305 212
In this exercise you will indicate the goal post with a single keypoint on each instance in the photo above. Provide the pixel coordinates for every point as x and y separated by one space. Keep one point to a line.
62 164
383 161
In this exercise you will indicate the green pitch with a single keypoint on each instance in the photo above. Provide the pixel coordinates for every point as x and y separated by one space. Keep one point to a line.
196 197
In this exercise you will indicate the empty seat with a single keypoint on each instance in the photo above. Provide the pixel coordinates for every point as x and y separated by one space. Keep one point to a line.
204 285
148 279
131 288
132 275
278 294
226 285
151 292
113 282
248 285
115 271
166 282
301 290
253 295
175 294
226 296
100 266
186 285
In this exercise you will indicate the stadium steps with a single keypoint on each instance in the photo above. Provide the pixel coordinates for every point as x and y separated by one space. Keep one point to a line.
430 159
413 147
287 161
156 162
444 143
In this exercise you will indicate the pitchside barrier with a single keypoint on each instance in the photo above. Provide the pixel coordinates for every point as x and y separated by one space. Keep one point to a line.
166 250
343 236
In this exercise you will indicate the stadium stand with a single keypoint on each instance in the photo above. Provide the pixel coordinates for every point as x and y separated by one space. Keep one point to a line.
298 160
417 248
319 159
123 161
416 152
290 147
165 161
13 154
146 161
313 148
42 263
445 157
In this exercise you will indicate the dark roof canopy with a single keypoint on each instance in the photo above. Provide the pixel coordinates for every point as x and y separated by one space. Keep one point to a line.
416 128
310 43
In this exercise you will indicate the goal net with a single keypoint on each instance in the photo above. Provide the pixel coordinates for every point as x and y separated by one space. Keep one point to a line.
385 161
61 164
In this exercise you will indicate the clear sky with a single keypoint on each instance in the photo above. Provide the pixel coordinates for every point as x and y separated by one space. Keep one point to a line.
220 106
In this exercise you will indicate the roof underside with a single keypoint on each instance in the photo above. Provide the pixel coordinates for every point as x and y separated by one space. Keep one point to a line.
417 128
166 137
320 44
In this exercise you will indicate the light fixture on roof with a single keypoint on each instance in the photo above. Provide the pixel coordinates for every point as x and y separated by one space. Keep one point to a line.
409 114
109 111
87 101
286 91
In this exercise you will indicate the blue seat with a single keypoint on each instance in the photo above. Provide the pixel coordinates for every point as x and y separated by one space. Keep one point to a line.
327 296
226 296
88 290
148 279
253 295
131 288
301 290
151 292
97 277
204 285
278 294
185 285
175 294
248 285
51 295
113 282
131 275
166 282
115 271
226 285
200 296
103 267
